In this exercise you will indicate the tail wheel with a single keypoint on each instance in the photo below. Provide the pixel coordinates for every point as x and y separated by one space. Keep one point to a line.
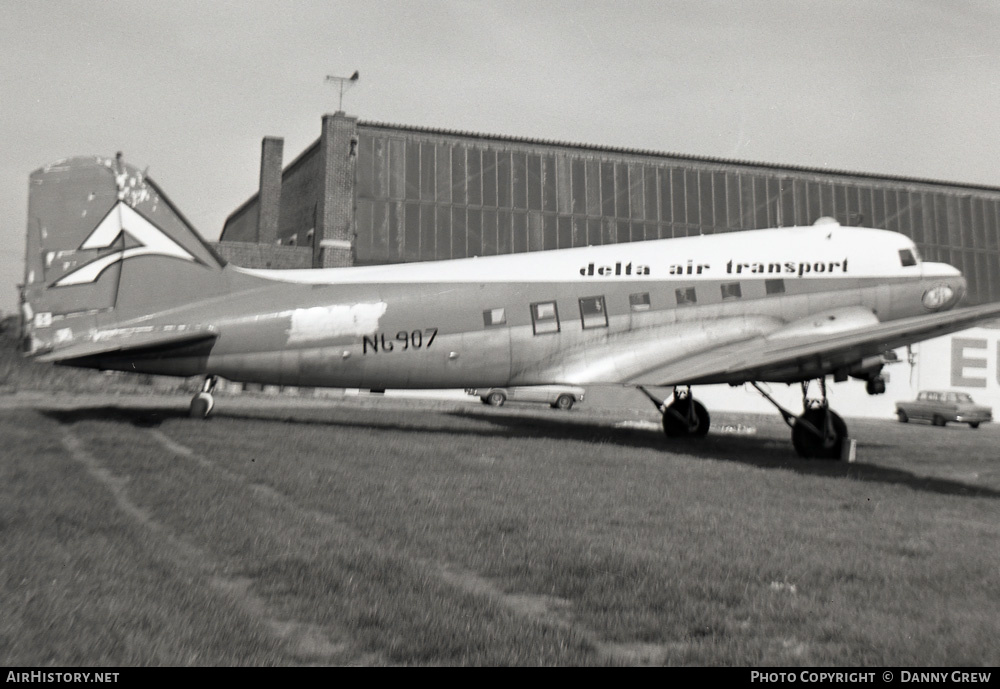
565 402
825 438
201 406
496 398
686 416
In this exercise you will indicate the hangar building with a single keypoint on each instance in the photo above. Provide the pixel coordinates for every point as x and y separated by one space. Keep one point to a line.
371 193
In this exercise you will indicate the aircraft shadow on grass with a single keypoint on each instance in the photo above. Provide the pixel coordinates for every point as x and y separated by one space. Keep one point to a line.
760 451
149 417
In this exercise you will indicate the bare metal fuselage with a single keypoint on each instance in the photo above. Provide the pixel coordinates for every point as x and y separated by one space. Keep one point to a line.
432 335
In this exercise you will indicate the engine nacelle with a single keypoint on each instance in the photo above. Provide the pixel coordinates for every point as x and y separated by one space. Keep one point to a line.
867 369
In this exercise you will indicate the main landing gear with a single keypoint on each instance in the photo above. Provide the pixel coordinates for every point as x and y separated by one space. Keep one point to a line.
819 433
684 416
203 403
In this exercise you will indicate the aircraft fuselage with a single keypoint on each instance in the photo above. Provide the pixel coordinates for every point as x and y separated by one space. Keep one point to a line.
580 316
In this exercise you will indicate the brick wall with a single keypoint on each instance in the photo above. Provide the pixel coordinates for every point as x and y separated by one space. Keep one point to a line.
241 225
269 196
335 213
253 255
300 190
335 257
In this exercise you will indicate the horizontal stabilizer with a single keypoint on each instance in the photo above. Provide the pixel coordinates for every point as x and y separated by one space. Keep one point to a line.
131 341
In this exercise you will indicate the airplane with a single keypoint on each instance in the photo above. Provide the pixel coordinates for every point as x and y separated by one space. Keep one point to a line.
116 278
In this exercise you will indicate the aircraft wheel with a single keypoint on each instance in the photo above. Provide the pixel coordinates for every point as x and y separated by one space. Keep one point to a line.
678 420
496 399
201 406
875 386
811 446
565 402
903 418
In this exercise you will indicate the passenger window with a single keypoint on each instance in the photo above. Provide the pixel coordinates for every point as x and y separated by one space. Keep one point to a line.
545 317
639 301
494 317
593 313
774 286
731 290
907 258
686 296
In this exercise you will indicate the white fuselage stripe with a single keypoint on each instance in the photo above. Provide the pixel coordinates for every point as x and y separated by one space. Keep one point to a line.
790 253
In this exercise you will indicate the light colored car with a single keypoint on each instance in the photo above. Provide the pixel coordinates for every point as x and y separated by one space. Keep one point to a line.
557 396
940 407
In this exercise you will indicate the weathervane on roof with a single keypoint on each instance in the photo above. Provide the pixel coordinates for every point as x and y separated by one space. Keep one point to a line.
342 81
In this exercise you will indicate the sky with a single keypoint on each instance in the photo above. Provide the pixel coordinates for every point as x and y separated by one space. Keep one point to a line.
188 88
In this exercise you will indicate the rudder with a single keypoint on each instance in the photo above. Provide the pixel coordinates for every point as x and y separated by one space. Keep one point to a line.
104 245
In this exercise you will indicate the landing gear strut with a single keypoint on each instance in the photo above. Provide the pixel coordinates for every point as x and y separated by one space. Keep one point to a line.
203 403
684 416
819 433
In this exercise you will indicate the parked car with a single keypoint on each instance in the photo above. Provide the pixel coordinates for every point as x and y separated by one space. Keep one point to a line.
557 396
940 407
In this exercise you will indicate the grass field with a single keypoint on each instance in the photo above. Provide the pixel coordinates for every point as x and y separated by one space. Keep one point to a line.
383 532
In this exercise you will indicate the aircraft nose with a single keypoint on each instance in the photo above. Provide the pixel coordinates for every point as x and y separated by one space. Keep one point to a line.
942 293
958 284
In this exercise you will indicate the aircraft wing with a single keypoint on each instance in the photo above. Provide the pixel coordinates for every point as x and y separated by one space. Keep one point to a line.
779 359
131 341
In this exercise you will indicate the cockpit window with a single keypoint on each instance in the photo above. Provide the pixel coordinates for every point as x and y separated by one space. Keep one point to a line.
907 258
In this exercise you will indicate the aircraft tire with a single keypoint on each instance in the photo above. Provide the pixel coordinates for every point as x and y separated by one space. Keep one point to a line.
565 402
201 406
875 386
809 446
496 399
675 423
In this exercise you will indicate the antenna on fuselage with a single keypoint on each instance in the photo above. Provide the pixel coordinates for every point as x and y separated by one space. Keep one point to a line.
343 82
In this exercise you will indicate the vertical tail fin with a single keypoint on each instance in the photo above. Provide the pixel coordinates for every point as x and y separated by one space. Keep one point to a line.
104 244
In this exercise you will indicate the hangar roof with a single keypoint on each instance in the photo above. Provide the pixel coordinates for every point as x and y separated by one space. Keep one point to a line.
673 156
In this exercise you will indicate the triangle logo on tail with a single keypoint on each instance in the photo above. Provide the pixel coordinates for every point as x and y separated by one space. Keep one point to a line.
122 218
